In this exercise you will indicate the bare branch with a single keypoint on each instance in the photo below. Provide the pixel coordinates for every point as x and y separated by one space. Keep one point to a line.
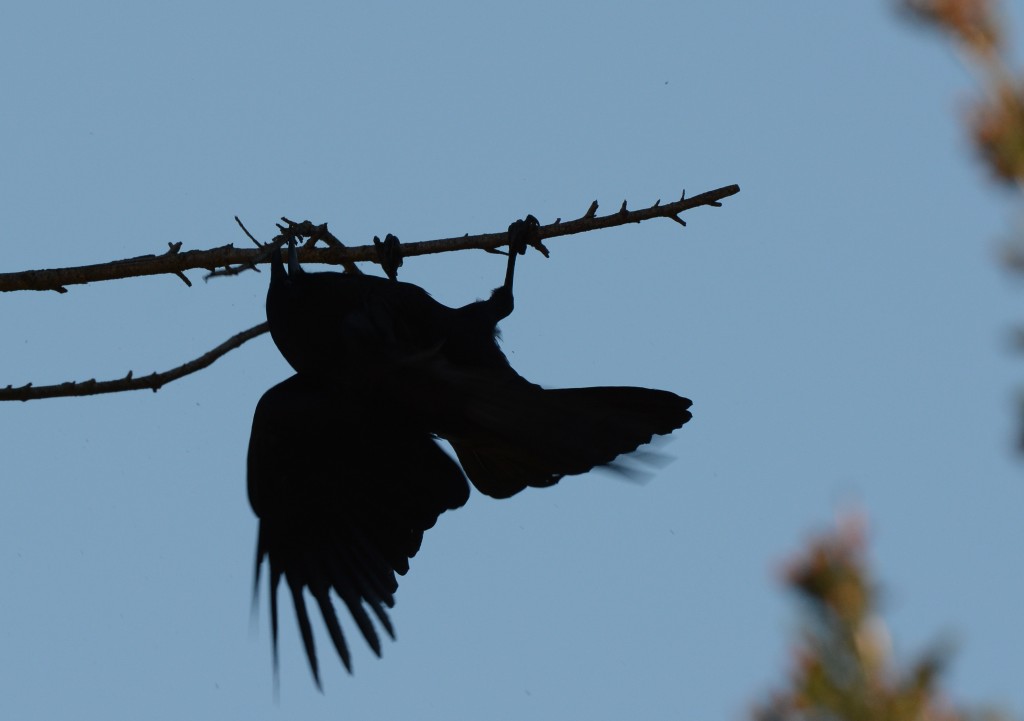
175 262
152 382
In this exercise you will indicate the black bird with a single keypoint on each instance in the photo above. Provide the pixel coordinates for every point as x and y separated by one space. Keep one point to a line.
443 369
381 369
344 510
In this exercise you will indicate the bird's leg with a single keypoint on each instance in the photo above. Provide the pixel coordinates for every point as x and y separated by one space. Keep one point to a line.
520 234
389 255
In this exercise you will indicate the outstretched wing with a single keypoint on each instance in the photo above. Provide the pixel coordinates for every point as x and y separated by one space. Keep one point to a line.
524 435
344 491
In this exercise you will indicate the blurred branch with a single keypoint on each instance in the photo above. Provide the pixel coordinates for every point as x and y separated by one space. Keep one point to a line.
175 262
843 667
153 382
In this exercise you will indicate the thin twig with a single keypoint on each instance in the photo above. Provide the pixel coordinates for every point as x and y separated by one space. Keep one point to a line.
246 231
153 381
228 255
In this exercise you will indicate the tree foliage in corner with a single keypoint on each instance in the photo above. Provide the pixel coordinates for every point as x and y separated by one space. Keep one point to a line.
843 669
995 118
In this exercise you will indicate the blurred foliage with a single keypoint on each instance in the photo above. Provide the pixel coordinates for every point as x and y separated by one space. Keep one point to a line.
995 119
842 668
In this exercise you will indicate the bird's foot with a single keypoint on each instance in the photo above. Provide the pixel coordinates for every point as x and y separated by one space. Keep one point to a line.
389 254
523 233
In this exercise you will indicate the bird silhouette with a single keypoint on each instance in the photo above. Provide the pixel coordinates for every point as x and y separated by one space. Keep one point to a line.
381 369
444 368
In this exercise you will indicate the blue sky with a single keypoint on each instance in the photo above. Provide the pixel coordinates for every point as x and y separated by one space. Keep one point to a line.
841 325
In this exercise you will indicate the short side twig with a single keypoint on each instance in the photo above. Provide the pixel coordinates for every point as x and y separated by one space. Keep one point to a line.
153 382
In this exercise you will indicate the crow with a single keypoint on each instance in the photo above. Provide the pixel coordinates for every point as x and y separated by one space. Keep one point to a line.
344 510
381 370
443 368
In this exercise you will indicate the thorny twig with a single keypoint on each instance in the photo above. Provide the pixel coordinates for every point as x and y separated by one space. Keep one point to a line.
176 262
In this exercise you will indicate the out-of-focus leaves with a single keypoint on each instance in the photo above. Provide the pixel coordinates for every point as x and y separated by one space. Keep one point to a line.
843 668
973 22
998 129
996 118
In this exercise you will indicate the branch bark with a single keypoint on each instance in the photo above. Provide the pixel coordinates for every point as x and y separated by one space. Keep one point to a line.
175 262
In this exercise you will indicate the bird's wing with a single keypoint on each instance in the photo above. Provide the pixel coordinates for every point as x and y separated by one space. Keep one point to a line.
343 508
522 436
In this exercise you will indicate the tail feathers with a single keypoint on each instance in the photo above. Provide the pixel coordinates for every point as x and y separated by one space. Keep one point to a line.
530 436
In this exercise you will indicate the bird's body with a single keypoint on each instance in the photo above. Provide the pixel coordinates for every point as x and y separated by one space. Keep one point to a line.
345 325
442 368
